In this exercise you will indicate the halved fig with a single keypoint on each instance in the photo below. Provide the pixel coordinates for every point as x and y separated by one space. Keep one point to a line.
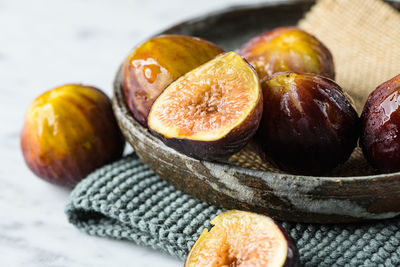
212 111
240 238
154 64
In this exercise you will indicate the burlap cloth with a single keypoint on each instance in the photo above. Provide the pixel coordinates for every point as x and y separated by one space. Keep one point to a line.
364 38
125 200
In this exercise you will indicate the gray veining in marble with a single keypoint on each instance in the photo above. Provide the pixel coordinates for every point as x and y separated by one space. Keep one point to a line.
43 44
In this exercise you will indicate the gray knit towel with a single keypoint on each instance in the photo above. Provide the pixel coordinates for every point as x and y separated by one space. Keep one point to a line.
125 200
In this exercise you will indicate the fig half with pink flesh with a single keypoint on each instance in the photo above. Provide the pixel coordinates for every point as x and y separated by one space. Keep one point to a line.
240 238
212 111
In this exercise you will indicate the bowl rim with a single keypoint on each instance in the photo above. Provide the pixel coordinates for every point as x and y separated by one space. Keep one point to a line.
118 98
120 107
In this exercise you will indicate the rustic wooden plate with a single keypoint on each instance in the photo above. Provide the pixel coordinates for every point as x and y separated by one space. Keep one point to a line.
281 196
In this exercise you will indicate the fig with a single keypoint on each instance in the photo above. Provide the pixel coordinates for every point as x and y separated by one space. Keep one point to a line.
309 126
380 127
154 64
68 132
288 49
241 238
212 111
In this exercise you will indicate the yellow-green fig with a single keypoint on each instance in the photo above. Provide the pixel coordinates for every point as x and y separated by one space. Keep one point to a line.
68 132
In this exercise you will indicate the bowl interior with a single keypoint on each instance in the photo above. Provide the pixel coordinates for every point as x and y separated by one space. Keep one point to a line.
351 192
235 27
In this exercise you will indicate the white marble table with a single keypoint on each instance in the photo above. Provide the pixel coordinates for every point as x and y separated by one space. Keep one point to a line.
43 44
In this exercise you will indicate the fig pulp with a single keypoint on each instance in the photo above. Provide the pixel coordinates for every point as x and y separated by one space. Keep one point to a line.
380 132
288 49
212 111
308 126
154 64
68 132
240 238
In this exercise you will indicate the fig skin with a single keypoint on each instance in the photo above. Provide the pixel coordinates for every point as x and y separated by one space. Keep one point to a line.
68 132
154 64
380 126
232 231
309 126
288 49
223 147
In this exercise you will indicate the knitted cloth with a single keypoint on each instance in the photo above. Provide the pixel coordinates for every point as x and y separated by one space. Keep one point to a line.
126 200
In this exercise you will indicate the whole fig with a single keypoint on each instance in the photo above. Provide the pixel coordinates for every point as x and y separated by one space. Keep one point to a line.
380 130
154 64
288 49
68 132
308 125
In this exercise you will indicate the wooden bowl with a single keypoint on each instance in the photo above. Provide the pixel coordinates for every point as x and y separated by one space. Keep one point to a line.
279 195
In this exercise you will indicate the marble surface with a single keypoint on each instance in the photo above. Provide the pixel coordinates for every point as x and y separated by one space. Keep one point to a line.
43 44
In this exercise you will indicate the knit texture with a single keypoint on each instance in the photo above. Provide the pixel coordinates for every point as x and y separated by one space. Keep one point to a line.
126 200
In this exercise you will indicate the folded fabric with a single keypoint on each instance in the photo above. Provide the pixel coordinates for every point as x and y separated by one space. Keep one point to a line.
126 200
